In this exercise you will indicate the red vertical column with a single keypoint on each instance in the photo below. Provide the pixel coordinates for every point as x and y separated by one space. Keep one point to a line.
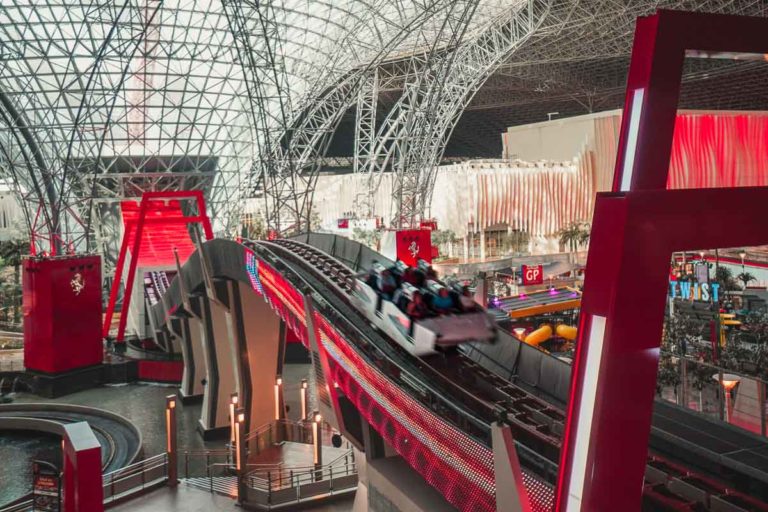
83 487
634 231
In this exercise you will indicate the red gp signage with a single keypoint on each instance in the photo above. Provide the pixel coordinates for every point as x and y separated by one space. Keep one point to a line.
533 274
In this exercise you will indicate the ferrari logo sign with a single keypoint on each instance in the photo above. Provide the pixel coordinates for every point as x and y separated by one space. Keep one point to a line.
77 283
414 249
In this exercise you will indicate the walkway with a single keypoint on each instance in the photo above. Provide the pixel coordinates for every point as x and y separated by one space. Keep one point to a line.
188 499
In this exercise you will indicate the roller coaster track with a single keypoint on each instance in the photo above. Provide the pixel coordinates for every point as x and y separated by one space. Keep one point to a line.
479 397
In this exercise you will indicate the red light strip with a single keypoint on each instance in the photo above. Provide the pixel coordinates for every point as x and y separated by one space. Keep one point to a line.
463 456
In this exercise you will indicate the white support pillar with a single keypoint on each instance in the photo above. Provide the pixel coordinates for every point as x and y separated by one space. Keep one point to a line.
482 245
510 491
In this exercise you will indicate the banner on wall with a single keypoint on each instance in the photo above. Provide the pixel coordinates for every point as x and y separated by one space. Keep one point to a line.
414 245
532 274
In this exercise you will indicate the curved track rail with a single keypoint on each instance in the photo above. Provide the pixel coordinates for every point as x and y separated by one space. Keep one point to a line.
120 440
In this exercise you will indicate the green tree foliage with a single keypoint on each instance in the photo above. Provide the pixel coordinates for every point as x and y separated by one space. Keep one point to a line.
11 254
746 278
574 235
254 228
369 237
724 276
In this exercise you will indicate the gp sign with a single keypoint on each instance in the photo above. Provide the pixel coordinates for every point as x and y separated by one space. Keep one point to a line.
533 274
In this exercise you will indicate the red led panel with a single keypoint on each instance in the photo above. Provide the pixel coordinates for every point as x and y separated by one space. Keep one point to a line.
459 467
159 238
285 299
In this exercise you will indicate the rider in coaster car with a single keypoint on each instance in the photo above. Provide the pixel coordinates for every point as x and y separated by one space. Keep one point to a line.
371 279
387 284
409 276
416 308
466 300
442 302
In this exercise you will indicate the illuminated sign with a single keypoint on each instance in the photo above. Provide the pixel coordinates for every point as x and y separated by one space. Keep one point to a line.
533 274
706 292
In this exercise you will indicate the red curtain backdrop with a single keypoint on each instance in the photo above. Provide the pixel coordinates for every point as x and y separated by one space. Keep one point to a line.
719 150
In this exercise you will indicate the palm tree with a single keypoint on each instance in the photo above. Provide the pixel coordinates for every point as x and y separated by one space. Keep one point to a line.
746 278
574 235
443 237
11 254
724 276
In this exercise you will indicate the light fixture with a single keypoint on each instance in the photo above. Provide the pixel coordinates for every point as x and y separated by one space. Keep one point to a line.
304 400
233 400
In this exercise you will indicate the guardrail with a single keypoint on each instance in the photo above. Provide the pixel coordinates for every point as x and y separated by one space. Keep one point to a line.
294 485
278 431
135 478
122 483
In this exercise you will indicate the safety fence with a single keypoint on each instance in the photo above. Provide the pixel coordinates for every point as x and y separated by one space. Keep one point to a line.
135 478
120 484
732 396
278 486
281 431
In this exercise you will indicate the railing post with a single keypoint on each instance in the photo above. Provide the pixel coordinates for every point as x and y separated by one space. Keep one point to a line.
186 463
721 393
171 440
269 487
761 403
330 475
208 470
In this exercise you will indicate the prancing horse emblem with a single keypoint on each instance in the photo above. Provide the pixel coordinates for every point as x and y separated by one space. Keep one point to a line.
414 249
77 283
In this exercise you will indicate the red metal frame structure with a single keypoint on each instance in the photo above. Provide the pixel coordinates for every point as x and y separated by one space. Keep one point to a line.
635 230
147 200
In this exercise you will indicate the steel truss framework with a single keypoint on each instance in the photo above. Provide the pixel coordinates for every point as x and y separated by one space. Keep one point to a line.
101 101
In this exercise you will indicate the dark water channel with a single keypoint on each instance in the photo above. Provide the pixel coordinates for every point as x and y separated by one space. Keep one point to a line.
17 451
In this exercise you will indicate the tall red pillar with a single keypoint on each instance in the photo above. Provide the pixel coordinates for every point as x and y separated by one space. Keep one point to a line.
83 487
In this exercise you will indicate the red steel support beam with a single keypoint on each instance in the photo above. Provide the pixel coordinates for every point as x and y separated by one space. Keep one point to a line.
146 199
635 230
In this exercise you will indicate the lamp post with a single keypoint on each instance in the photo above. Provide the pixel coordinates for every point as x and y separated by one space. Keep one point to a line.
233 401
316 444
171 438
729 382
303 399
241 461
278 396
